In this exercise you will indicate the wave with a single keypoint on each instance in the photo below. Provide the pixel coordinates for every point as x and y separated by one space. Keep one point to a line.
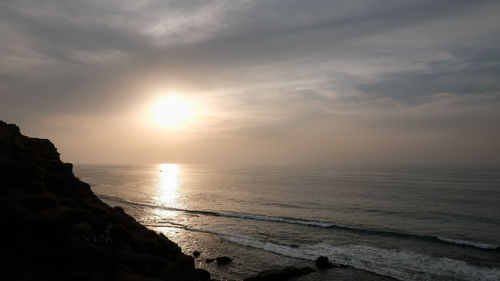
277 219
398 264
402 265
468 243
220 214
312 223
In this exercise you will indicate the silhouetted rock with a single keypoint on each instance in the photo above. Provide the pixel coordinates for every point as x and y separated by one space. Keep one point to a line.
209 260
280 274
196 254
223 260
55 228
203 275
323 263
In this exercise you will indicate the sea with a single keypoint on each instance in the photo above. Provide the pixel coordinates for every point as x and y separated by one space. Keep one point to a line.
384 223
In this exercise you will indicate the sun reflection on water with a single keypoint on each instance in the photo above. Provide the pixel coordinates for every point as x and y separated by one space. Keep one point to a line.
168 185
167 196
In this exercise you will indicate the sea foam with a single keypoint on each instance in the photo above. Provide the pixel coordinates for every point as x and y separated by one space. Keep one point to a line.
399 264
402 265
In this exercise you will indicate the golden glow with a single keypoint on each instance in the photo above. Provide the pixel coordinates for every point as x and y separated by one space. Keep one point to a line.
172 111
168 184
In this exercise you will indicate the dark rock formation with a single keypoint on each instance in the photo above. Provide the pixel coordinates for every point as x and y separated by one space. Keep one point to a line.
196 254
280 274
55 228
323 263
223 260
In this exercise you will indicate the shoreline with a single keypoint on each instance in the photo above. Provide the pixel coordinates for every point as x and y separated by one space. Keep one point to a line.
400 256
244 260
57 228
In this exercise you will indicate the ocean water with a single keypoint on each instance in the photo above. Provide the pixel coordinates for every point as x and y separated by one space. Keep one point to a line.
404 224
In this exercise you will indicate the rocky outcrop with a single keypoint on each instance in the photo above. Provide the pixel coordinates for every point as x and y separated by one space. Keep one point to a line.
55 228
281 274
323 263
223 260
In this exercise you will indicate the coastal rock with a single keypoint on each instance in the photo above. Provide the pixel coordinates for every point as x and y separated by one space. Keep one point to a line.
203 275
223 260
323 263
280 274
55 228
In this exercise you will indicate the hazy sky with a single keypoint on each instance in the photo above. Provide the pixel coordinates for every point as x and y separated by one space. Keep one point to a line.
269 82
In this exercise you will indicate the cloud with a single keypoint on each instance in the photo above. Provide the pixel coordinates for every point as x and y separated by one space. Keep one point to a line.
270 70
467 74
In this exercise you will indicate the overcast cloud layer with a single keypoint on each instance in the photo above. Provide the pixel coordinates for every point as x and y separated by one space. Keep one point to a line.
276 82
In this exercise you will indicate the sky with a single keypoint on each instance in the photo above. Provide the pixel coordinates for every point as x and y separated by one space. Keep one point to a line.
382 82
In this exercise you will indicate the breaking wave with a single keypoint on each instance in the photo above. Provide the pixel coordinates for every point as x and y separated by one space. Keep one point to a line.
311 223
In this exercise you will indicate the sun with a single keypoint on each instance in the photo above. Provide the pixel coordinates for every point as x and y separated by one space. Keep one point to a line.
172 111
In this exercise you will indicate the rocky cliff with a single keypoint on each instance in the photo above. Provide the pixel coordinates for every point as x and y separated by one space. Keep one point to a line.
55 228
